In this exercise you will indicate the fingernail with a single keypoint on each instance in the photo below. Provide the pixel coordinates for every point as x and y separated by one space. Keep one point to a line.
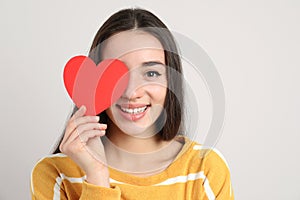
97 118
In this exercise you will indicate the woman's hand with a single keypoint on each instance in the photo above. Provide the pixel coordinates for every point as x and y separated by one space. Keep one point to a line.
82 144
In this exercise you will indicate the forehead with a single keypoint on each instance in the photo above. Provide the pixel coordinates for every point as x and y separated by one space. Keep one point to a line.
129 41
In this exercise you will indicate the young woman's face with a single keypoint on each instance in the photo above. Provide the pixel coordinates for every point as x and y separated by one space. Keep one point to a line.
142 102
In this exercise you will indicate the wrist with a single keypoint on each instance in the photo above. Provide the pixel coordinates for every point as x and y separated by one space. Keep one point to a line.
100 178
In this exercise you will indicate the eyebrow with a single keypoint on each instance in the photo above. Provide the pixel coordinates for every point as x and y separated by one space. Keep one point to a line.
151 63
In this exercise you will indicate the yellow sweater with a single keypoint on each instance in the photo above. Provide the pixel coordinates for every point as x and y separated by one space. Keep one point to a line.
195 174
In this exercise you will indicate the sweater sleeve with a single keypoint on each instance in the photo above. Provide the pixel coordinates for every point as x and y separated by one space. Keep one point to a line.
90 191
47 183
217 182
44 179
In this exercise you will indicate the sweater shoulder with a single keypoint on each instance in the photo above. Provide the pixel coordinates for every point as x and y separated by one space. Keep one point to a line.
203 158
55 175
56 165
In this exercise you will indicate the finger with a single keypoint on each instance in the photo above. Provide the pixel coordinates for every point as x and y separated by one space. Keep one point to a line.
83 128
87 135
73 124
80 139
91 126
79 113
86 119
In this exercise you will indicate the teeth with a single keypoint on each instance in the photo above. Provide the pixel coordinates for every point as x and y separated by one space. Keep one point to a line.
134 110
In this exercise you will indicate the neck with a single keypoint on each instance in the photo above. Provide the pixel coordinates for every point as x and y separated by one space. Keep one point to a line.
135 144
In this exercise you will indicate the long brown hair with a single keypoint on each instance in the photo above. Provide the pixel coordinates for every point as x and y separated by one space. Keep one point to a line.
136 18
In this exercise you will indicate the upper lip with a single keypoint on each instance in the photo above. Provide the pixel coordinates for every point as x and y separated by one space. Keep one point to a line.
139 105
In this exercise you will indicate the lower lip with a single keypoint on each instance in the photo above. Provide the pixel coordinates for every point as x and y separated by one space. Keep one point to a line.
133 117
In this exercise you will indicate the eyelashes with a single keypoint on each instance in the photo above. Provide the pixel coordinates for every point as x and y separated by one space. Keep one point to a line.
152 74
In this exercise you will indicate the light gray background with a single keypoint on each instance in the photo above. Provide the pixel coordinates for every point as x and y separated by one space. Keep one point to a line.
254 45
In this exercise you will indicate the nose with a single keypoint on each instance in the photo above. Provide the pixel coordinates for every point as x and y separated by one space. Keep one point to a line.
134 88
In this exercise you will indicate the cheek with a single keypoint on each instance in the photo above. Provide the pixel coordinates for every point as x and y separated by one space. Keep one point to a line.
157 94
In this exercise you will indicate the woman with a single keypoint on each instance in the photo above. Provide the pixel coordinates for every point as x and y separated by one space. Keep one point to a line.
141 154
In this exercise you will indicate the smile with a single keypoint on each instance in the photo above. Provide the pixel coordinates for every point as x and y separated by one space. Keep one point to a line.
134 110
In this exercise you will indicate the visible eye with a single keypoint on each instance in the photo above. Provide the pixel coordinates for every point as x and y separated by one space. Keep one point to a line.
152 74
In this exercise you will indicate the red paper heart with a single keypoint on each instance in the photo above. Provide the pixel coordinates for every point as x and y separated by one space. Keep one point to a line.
96 87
